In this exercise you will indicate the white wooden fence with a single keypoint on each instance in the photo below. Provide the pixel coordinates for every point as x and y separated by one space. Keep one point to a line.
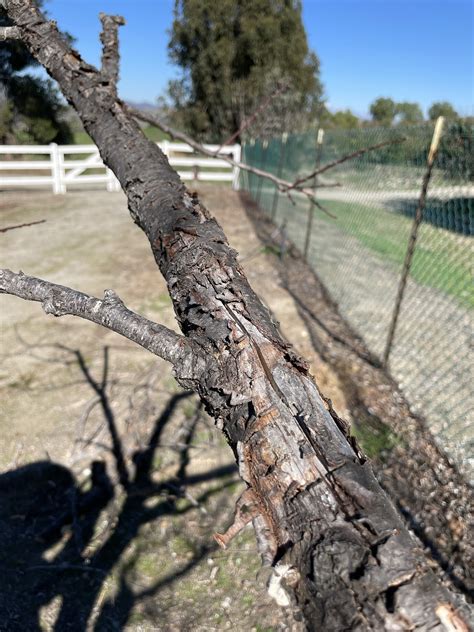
59 172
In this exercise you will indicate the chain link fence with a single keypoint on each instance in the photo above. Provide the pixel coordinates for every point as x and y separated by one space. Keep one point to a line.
359 251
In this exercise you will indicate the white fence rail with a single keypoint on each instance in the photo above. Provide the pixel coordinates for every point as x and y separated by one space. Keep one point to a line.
59 171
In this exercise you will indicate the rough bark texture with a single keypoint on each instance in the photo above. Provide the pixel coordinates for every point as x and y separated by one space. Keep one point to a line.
350 562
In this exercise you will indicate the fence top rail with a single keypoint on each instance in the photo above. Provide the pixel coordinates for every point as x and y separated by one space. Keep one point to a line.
25 149
82 149
184 147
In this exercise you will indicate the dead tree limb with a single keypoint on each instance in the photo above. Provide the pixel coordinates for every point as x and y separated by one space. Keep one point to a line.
343 554
110 312
110 48
9 33
282 185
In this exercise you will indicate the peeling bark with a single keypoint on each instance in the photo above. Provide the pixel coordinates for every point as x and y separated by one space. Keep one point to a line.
350 562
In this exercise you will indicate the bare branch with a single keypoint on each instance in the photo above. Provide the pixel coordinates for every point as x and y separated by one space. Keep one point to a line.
282 185
323 209
110 312
330 165
110 47
7 228
9 33
250 119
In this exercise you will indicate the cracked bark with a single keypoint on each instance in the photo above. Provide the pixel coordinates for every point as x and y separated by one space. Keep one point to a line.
352 565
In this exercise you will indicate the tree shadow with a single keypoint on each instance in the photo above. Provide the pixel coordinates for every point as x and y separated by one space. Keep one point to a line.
61 540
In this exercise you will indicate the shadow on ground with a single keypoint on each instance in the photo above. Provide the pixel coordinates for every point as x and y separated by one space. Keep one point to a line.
61 539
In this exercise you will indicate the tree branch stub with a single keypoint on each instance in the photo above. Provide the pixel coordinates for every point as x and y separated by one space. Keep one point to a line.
110 48
9 33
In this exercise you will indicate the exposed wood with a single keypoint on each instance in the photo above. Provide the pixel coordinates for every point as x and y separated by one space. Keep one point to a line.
350 562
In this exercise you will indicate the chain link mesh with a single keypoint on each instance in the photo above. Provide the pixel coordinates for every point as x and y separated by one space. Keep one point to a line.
359 253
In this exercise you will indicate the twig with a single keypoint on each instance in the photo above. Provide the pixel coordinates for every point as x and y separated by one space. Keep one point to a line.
7 228
250 119
110 47
110 312
282 185
323 208
334 163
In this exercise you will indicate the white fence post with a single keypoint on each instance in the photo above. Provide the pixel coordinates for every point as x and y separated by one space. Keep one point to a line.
111 181
237 153
56 169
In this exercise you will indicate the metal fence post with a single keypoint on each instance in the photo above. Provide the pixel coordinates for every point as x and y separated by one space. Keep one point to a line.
281 162
309 225
262 167
413 237
249 157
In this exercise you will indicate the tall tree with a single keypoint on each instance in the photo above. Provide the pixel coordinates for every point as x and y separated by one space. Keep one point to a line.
32 107
408 113
442 108
383 111
232 54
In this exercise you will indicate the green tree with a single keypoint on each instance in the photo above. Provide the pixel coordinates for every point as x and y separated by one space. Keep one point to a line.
408 113
456 153
442 108
32 108
6 119
383 111
233 53
344 119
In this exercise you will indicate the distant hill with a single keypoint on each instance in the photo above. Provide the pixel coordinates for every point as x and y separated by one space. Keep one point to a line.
143 105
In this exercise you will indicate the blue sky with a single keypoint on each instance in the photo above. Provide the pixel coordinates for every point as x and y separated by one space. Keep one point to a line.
410 50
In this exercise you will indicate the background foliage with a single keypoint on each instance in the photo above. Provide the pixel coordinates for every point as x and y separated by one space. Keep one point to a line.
31 110
233 54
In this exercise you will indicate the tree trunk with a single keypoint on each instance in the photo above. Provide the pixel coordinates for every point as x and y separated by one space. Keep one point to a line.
343 554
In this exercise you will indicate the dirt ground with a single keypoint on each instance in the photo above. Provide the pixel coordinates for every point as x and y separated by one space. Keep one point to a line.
113 480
